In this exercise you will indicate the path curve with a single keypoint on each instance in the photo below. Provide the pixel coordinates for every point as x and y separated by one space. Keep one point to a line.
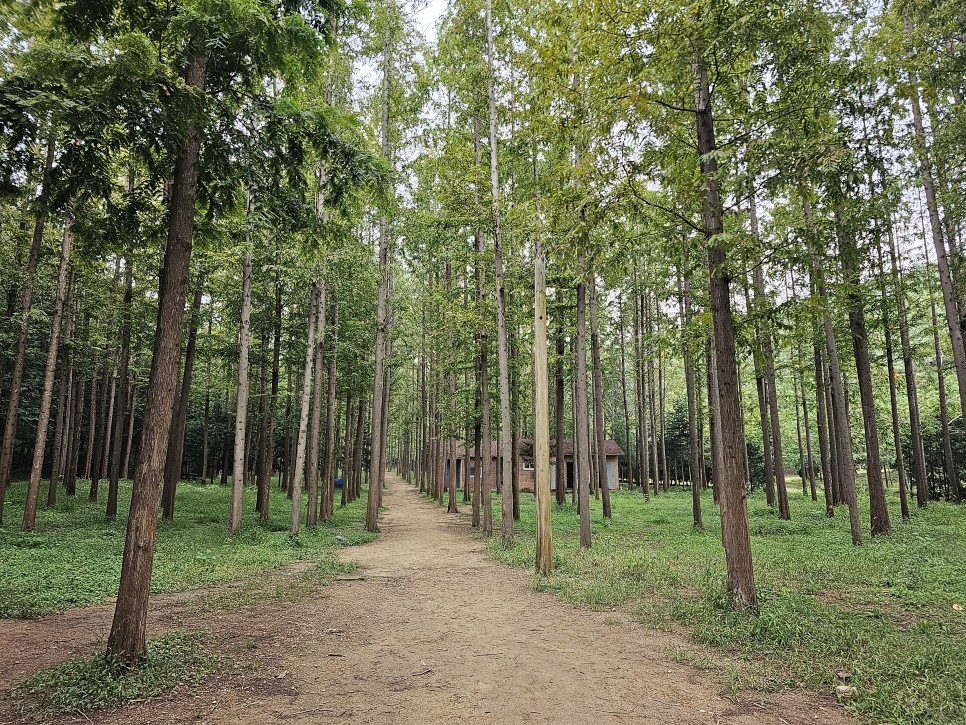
437 625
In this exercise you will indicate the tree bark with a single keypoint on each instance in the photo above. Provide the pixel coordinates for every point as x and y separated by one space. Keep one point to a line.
541 417
43 417
122 396
598 401
175 454
314 432
298 476
729 480
20 356
582 439
127 639
328 480
241 415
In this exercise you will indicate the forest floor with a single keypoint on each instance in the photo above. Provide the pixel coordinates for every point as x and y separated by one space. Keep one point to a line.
426 631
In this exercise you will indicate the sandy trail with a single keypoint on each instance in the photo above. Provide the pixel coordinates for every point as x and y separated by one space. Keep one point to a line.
439 625
431 630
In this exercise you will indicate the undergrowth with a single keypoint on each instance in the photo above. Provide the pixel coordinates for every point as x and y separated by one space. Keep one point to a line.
73 558
174 662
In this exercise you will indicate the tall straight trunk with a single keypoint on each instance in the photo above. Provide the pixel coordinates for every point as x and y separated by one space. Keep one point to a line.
241 415
268 447
478 445
20 356
893 396
175 455
909 372
451 450
108 428
769 359
347 452
315 424
730 481
627 419
287 454
357 449
61 429
99 430
842 438
298 476
651 397
262 417
694 439
541 416
129 441
120 423
561 471
582 438
949 467
598 400
935 225
661 396
91 432
43 417
879 511
503 364
74 440
127 639
328 481
487 438
639 393
376 464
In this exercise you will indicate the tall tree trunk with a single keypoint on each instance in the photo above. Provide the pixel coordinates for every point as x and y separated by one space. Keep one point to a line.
860 345
582 439
627 419
694 440
127 639
328 481
129 441
62 428
503 364
43 417
935 225
175 454
541 417
298 477
347 452
729 481
598 400
268 447
561 471
20 357
841 439
73 444
241 416
120 423
893 396
315 425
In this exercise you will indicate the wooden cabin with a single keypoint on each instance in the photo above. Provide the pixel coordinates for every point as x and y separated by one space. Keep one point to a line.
459 461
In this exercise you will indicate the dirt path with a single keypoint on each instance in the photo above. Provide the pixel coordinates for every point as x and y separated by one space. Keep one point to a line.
427 632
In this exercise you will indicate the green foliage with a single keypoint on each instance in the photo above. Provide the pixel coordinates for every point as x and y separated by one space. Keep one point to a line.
174 661
882 612
74 557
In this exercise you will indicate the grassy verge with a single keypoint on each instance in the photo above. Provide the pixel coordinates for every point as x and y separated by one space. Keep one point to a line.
883 612
175 661
74 556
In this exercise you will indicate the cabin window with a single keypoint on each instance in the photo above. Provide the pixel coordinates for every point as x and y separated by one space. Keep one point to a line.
528 464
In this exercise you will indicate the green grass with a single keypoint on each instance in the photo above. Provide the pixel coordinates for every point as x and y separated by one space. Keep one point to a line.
882 612
174 661
73 558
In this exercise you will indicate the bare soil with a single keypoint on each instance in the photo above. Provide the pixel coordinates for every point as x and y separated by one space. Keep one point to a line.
430 630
